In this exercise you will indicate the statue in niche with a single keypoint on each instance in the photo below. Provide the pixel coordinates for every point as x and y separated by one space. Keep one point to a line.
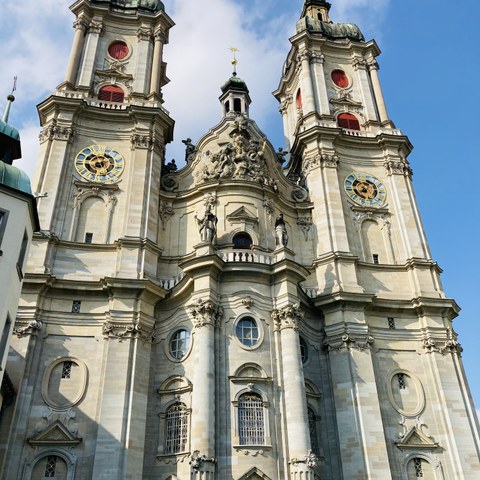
190 148
207 226
281 236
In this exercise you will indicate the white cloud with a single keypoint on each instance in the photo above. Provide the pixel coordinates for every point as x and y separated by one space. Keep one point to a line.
36 44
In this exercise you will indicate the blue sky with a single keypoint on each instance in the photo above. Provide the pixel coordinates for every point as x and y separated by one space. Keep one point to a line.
429 63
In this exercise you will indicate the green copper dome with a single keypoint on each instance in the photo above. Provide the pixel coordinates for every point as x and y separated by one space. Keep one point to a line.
150 5
235 83
15 178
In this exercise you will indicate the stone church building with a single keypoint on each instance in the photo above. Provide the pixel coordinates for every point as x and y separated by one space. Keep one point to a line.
244 317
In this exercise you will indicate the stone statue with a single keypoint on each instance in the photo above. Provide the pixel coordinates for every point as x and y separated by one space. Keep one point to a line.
281 155
207 226
281 236
189 148
170 167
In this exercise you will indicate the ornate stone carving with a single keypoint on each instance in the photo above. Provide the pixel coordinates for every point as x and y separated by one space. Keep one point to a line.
443 346
80 24
197 460
56 428
27 327
398 167
359 63
305 223
317 57
299 194
324 160
205 313
243 158
247 302
289 316
144 33
122 331
56 132
310 460
207 225
141 140
95 27
347 341
165 212
269 208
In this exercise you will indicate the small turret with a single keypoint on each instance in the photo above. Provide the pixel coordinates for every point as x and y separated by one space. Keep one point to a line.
316 9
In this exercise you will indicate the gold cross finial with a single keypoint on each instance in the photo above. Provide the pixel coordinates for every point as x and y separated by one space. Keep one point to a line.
234 50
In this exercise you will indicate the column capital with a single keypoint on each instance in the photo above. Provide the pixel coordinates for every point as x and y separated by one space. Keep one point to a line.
160 36
95 26
324 160
205 313
317 57
373 65
289 316
80 24
359 63
144 33
400 167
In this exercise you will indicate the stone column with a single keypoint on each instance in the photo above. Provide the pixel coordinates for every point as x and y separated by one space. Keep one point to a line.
77 48
360 66
377 90
95 29
301 459
142 74
206 315
306 84
323 106
159 38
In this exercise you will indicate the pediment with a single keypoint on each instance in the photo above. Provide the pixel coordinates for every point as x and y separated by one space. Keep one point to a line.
54 434
254 474
345 100
242 214
416 439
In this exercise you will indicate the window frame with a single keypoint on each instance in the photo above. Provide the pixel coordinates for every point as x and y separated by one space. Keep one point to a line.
3 225
184 429
168 342
260 330
22 255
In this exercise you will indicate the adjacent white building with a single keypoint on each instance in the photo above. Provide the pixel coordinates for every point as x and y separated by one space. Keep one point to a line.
243 317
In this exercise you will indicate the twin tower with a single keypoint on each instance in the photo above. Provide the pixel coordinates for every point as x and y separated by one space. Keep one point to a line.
242 317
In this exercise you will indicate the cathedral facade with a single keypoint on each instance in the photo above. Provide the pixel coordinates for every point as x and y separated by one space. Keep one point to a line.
245 316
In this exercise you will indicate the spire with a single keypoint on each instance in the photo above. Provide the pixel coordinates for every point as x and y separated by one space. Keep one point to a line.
316 9
10 100
9 135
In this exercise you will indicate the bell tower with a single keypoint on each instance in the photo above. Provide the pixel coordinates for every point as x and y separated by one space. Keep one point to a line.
386 316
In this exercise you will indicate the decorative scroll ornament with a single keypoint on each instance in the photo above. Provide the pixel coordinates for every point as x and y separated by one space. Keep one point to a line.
197 460
205 313
27 327
243 158
166 213
122 331
450 345
289 316
347 341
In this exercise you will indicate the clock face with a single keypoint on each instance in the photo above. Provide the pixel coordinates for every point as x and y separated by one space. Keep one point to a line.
99 164
365 190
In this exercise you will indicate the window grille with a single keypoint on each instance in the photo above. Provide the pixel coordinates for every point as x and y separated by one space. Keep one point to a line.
50 467
312 426
76 304
417 463
67 370
176 428
402 385
391 323
251 424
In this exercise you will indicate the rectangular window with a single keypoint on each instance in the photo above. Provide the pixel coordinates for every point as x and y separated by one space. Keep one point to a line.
417 463
3 224
88 237
76 304
375 259
50 467
5 335
391 323
66 370
21 256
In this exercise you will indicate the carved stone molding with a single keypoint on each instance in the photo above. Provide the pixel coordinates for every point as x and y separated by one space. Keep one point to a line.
205 313
95 27
144 33
210 200
165 212
398 167
443 346
347 341
323 160
27 327
122 331
56 132
269 208
359 63
310 460
289 316
305 224
197 461
317 57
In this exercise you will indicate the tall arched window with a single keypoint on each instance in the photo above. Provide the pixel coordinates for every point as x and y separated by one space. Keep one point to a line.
299 99
312 426
176 428
111 93
251 421
347 120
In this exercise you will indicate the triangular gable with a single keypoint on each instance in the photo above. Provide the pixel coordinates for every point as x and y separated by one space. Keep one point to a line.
242 215
416 439
254 474
54 434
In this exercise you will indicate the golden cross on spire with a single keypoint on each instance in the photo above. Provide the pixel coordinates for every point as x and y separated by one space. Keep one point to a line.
234 50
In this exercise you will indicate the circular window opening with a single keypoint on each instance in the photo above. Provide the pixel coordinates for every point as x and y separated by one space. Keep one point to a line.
242 240
179 344
340 78
118 50
247 331
303 350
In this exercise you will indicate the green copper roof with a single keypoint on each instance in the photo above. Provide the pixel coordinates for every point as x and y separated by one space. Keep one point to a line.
235 83
8 130
15 178
151 5
331 30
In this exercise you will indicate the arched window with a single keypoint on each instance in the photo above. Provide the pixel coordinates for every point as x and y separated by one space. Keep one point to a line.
242 240
420 468
347 120
176 428
312 426
50 466
299 99
340 79
118 50
237 105
251 422
111 93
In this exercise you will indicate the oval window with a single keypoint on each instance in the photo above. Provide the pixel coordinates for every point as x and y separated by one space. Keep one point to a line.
180 344
340 79
247 332
118 50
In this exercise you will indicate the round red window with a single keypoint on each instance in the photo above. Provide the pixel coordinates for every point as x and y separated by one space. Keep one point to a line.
118 50
340 78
